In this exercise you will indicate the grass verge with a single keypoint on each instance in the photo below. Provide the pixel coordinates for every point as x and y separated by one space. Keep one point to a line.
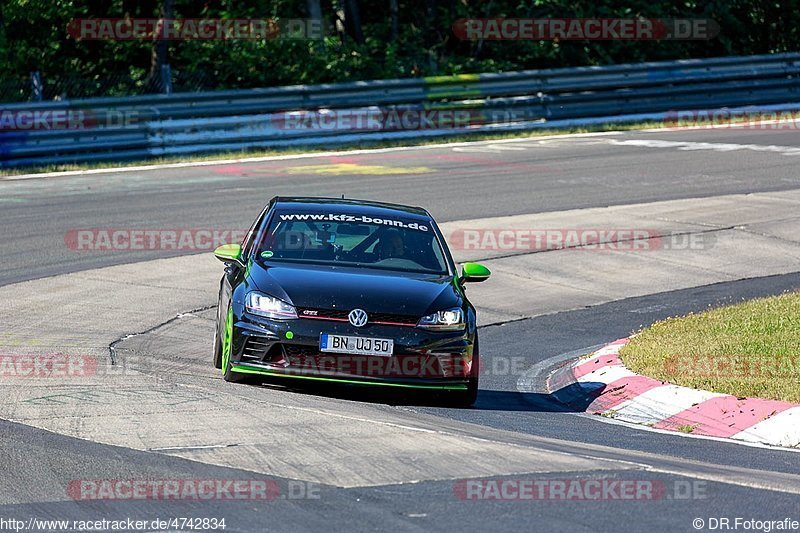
749 349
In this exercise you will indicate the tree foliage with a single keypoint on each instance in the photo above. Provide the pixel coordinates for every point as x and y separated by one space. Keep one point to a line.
366 41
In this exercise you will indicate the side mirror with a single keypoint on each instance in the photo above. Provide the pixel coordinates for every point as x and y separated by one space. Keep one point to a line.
228 252
474 273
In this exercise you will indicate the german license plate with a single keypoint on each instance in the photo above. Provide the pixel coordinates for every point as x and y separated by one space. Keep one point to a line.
355 345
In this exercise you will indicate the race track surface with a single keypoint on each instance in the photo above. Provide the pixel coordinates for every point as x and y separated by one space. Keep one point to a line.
364 461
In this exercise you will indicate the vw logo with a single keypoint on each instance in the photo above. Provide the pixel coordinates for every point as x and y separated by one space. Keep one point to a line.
357 317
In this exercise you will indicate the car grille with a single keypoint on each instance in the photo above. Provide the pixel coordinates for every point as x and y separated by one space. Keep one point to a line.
374 318
364 365
297 350
309 359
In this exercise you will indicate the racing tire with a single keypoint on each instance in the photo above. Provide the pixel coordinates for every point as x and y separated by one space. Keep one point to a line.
224 347
468 397
217 344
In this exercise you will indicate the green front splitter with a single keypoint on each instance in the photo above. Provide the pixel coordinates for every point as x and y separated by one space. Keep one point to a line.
248 370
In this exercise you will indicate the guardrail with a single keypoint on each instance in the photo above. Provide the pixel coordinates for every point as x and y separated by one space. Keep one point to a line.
106 129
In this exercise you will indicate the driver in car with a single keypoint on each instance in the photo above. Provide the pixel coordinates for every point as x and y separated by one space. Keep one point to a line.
391 245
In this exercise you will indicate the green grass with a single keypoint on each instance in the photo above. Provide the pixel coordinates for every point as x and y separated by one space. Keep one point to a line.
750 349
219 156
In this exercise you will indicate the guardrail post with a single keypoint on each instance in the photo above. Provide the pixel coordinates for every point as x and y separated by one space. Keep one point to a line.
37 89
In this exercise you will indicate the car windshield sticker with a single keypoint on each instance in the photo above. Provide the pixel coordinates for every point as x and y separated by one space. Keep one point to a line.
332 217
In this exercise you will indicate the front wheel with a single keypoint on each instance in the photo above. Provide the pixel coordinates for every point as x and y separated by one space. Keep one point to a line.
468 397
217 343
223 347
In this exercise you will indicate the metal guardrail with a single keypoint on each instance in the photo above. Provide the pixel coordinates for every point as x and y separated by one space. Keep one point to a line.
189 123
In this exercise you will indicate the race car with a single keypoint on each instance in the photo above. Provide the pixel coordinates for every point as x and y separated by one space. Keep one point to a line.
348 291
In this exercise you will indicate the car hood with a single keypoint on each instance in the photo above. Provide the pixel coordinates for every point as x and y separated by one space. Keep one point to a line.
372 290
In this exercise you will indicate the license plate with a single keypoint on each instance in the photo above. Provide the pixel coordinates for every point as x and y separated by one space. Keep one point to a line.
355 345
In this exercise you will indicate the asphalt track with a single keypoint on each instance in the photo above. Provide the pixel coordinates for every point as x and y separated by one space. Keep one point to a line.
464 182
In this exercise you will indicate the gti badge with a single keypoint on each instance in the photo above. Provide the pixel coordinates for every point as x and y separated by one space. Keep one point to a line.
357 317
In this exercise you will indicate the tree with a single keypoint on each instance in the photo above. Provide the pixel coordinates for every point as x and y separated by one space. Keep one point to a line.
159 61
352 21
394 12
314 9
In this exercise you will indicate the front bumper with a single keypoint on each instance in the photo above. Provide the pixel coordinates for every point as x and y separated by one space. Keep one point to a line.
421 359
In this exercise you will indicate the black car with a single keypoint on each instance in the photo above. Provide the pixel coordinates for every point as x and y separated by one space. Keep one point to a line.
349 291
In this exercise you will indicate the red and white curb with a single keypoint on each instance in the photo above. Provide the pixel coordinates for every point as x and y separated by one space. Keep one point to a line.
600 384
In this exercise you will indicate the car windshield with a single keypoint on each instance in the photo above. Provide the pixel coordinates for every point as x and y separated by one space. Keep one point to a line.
354 240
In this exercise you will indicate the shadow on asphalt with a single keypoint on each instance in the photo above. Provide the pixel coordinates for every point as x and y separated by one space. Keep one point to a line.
488 400
499 400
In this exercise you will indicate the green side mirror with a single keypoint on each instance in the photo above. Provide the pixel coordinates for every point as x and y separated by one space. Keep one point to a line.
228 252
474 272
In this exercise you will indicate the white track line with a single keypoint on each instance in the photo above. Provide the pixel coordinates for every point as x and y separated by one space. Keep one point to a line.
290 157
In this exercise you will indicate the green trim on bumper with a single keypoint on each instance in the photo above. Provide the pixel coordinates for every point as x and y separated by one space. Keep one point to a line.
249 370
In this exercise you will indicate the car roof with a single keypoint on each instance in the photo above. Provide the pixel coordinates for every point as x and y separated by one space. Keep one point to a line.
347 206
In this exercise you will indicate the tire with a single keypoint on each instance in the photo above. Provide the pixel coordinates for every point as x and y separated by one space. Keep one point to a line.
217 343
468 397
225 347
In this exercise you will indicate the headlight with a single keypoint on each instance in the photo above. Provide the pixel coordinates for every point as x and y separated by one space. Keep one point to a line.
268 306
448 320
